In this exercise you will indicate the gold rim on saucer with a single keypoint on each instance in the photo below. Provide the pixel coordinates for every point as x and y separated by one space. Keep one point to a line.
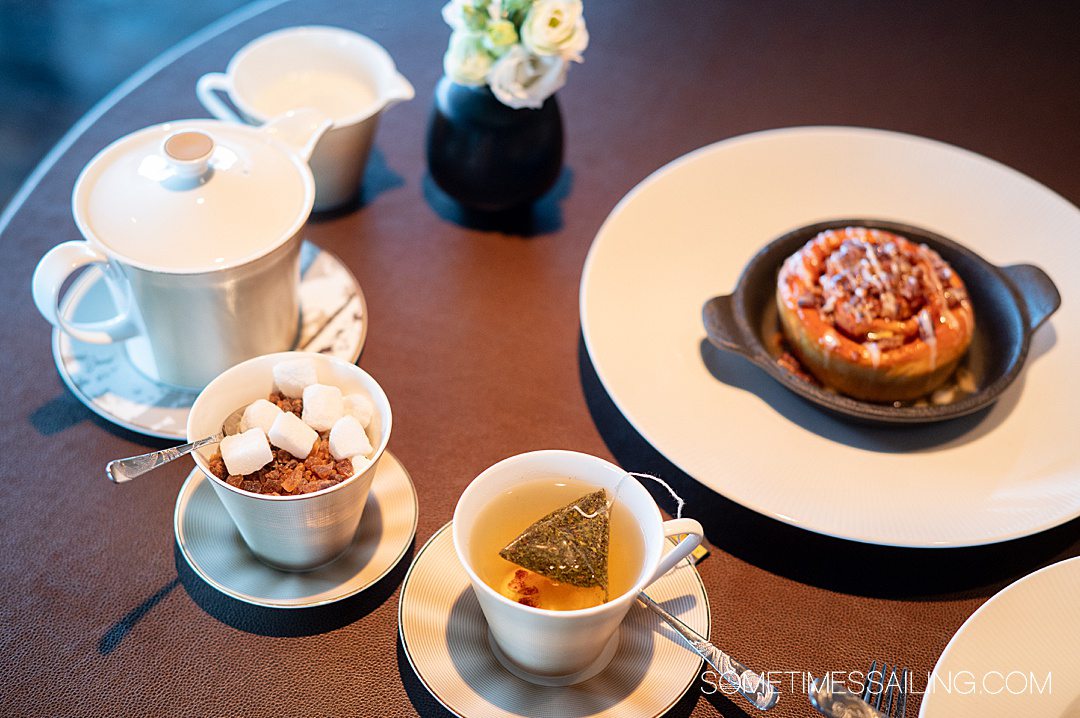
212 546
444 636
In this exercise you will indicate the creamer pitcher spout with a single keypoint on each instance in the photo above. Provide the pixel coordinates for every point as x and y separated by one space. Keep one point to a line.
300 129
397 89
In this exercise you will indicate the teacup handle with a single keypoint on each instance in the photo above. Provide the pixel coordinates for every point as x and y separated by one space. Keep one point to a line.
675 527
58 264
205 88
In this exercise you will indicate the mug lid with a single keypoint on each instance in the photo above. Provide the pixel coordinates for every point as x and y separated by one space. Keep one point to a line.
193 196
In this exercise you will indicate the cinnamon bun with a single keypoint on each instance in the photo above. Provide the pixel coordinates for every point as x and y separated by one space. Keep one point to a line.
874 315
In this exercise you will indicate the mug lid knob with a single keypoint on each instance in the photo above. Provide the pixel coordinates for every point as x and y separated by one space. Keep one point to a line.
189 152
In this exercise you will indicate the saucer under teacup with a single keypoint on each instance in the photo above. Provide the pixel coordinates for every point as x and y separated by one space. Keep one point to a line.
212 546
444 636
107 378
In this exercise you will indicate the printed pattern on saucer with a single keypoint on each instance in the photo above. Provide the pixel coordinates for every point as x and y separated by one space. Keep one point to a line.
333 319
444 636
212 546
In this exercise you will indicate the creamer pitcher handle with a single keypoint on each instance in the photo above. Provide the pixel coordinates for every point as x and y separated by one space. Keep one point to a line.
205 88
58 264
675 527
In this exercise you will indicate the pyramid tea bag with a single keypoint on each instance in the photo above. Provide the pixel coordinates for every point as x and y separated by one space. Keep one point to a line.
569 545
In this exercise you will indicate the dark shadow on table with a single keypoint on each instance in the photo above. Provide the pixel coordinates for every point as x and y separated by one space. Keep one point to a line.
119 630
59 414
815 559
542 217
290 622
378 178
64 411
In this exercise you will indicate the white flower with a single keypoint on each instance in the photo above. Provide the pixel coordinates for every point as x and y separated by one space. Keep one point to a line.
499 36
521 79
556 27
467 61
465 14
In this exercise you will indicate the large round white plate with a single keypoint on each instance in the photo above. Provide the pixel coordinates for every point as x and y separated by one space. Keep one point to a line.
212 546
684 234
333 320
1017 655
445 639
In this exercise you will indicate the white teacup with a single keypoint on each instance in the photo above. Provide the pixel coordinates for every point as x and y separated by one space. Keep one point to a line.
294 533
341 73
565 647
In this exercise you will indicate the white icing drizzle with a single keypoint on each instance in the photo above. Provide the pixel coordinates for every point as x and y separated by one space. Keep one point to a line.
874 352
926 331
927 255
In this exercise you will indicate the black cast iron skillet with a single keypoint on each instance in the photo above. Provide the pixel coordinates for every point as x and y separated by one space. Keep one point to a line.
1010 303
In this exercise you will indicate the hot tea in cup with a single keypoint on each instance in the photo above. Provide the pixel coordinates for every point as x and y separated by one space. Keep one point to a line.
557 545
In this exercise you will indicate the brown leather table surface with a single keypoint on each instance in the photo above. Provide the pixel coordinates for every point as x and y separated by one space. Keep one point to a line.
475 335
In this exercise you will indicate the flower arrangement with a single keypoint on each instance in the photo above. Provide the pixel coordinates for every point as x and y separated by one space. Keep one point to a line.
521 49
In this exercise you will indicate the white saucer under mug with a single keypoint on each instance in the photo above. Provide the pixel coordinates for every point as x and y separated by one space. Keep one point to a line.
212 546
445 639
108 380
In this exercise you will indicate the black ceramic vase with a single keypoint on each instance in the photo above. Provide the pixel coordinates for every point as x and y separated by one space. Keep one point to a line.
488 156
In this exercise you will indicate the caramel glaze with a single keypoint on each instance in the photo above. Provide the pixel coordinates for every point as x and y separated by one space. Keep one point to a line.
874 315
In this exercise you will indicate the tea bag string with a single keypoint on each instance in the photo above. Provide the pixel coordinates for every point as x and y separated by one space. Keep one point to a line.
679 502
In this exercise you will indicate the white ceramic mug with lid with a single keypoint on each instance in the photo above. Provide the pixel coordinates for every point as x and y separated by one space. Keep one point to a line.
559 648
341 73
197 227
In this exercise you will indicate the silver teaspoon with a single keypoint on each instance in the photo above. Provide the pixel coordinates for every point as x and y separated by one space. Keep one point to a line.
752 686
123 470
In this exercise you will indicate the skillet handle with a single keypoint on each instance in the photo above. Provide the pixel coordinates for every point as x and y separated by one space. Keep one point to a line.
718 314
1040 295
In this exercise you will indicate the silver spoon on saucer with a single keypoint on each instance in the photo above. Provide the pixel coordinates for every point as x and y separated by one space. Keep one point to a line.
121 471
752 686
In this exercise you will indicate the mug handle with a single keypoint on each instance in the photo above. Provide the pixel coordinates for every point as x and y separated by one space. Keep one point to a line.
205 88
694 534
58 264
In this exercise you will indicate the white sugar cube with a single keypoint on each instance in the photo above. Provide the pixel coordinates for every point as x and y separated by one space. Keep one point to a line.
246 453
293 435
360 463
323 406
374 430
260 413
294 375
361 406
348 438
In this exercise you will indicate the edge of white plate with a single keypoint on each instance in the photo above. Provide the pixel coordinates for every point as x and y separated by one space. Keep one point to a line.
749 504
965 626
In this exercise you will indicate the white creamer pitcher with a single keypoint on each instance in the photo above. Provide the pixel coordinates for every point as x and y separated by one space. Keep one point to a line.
197 226
343 74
